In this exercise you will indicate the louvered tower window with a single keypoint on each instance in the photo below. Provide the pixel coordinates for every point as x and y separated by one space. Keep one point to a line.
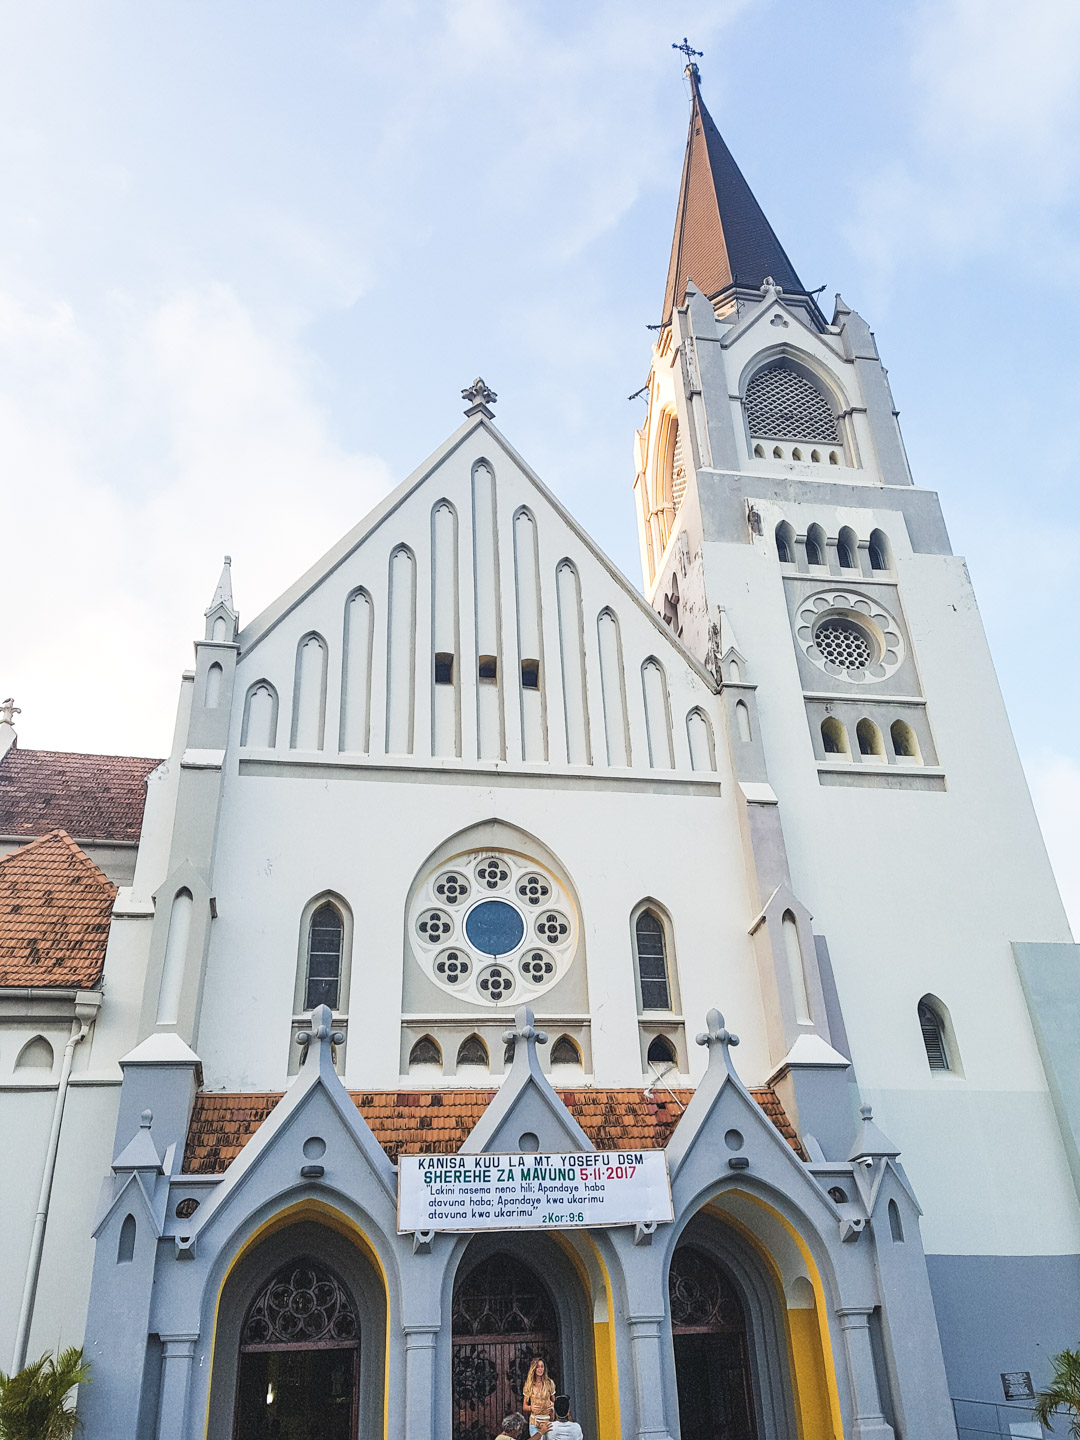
933 1034
783 405
678 468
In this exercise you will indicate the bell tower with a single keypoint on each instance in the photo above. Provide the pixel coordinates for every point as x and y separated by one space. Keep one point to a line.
785 542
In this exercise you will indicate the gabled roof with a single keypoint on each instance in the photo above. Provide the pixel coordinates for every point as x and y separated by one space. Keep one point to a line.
94 797
55 908
436 1122
722 237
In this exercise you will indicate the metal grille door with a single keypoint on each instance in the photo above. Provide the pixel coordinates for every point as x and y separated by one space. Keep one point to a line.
503 1319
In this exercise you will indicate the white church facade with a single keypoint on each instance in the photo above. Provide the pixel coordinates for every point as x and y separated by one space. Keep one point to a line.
464 847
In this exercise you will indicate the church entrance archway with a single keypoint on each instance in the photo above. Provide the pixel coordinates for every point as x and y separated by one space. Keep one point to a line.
503 1317
298 1376
712 1353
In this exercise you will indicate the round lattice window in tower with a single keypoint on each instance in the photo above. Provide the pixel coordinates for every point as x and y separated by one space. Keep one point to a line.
495 983
845 643
849 636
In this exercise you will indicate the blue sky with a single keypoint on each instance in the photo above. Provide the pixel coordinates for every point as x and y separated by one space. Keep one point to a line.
250 253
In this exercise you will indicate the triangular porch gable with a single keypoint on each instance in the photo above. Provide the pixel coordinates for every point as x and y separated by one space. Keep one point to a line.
526 1113
315 1127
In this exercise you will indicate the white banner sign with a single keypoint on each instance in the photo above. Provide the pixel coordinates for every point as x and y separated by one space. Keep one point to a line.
532 1192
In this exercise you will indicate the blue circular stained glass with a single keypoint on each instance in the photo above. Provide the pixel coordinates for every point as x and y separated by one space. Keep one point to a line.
495 927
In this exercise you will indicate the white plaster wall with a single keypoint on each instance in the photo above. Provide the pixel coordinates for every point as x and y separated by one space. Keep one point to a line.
363 826
922 892
27 1100
284 840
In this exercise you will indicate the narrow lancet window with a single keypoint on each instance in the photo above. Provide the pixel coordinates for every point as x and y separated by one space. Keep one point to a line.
325 935
652 962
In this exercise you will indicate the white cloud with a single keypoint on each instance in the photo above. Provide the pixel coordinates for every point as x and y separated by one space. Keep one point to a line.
1055 788
108 566
994 105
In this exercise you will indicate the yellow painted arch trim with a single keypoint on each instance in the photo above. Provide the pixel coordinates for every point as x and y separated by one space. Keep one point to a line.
605 1359
320 1213
810 1352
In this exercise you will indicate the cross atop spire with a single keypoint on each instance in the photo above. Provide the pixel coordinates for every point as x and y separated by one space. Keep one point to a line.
690 53
722 238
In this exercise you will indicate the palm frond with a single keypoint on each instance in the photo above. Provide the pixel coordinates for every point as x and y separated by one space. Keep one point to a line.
34 1402
1062 1396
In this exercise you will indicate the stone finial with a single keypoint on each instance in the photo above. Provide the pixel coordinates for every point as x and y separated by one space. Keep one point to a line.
524 1029
322 1035
8 711
480 397
719 1041
871 1143
146 1119
716 1034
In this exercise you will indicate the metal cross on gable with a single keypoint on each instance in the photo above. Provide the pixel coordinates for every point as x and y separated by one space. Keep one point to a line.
688 50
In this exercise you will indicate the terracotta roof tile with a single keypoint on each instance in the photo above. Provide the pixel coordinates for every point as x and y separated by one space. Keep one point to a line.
437 1121
93 797
55 907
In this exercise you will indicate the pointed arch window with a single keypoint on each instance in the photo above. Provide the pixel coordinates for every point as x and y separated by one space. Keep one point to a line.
847 549
880 552
896 1224
36 1054
661 1052
425 1054
650 944
815 545
932 1025
565 1054
326 934
472 1054
785 543
834 737
125 1250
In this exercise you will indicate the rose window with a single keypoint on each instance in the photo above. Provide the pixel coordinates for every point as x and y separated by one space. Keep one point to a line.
477 926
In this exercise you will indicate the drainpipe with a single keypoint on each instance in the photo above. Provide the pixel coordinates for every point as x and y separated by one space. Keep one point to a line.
85 1012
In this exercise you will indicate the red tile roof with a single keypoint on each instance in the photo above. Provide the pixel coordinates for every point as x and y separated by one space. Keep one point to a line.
93 797
437 1121
55 907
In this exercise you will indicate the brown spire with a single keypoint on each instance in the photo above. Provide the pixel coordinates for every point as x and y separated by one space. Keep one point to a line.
722 237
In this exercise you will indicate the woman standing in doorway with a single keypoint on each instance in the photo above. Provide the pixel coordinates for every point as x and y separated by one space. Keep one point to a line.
539 1396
